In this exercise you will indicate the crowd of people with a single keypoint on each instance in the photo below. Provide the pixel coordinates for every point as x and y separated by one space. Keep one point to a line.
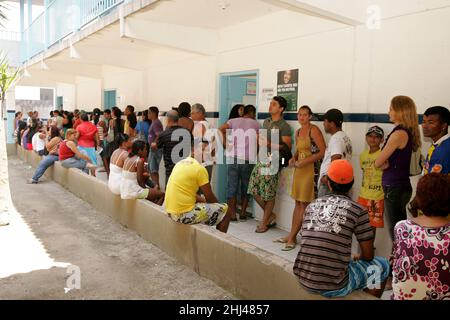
325 216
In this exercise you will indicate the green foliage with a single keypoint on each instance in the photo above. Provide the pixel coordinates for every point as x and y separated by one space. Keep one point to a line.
7 75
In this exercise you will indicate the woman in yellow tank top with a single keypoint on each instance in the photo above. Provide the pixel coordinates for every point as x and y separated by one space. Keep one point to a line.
303 180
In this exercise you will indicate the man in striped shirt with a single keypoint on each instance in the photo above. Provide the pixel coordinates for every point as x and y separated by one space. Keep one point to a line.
324 264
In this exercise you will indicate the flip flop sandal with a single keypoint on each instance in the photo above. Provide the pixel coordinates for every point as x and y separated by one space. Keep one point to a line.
271 225
259 230
280 240
289 247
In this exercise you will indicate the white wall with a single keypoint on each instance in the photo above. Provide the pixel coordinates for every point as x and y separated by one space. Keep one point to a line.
89 93
68 92
129 85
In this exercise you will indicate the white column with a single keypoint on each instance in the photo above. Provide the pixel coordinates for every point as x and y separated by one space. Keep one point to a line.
30 12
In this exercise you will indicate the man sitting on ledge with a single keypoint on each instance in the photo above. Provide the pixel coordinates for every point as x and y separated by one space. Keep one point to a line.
324 263
184 205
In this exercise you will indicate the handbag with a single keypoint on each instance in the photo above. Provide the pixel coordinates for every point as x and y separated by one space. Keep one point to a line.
415 166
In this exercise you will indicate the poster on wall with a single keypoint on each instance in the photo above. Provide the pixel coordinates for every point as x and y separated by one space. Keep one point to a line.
251 88
287 87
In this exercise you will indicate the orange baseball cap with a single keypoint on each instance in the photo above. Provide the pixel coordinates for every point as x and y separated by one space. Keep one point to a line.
340 171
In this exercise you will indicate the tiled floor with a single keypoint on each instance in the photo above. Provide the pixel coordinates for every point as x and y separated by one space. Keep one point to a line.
246 231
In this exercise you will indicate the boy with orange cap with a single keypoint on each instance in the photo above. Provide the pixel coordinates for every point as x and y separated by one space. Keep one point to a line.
324 264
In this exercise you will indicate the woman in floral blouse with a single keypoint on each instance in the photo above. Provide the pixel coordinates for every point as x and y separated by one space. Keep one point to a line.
420 264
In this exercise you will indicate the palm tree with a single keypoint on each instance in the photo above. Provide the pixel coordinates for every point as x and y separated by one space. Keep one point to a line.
7 77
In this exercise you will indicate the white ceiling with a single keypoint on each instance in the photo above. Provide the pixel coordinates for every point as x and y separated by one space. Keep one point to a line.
212 14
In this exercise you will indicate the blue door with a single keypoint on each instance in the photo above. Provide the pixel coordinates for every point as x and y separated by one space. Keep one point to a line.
109 99
232 90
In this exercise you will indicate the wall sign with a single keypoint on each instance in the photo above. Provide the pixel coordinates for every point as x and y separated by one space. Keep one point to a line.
251 88
287 87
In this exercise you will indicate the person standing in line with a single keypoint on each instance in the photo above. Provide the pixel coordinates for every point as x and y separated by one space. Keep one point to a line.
339 146
155 154
263 186
116 126
241 158
371 194
88 138
170 138
76 118
203 140
435 126
184 113
143 126
17 119
395 159
130 122
303 179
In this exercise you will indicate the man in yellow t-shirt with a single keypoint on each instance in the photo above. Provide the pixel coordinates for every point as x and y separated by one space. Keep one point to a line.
184 205
371 194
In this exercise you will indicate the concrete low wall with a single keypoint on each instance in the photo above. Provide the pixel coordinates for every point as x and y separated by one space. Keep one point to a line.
244 270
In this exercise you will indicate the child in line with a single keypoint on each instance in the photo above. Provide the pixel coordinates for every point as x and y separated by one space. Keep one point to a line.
371 195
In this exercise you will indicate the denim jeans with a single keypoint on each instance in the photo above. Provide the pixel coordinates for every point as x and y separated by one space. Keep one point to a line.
75 162
45 163
395 201
154 159
238 178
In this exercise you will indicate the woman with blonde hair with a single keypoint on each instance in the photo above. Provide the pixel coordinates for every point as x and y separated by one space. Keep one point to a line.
395 159
72 157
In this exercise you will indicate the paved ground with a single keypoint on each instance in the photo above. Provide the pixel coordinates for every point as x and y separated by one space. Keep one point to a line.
53 229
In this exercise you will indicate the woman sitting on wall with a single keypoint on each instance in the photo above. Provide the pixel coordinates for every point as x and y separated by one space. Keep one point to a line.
52 146
134 177
117 160
420 266
71 157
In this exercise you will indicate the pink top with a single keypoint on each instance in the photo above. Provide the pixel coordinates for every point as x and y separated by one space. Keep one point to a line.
243 138
87 132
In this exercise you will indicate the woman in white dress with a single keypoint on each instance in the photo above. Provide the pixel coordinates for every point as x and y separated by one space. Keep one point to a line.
117 160
134 176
